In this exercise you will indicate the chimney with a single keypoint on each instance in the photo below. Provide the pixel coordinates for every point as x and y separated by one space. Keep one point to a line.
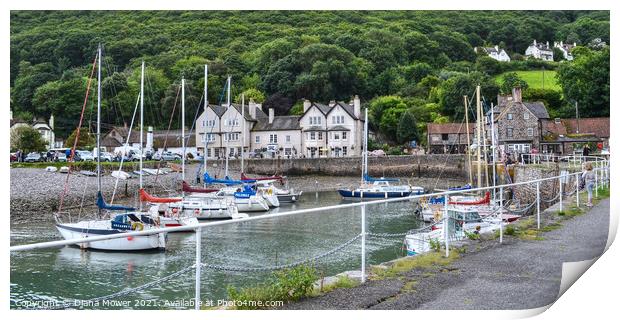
516 94
497 48
307 105
51 121
332 103
271 115
534 41
356 106
252 107
149 139
547 44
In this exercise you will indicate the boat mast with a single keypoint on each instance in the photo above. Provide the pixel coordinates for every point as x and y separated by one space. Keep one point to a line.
183 128
493 145
365 148
483 120
243 128
141 122
478 137
99 124
228 106
205 133
471 174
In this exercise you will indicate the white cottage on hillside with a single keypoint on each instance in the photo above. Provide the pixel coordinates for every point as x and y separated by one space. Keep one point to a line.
540 51
494 52
566 49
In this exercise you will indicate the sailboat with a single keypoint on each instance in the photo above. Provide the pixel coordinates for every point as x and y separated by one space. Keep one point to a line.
123 222
377 187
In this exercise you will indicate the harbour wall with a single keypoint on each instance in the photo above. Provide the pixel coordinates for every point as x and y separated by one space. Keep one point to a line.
426 166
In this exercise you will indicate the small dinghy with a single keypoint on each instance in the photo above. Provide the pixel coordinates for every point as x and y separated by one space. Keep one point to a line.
88 173
121 175
63 170
51 169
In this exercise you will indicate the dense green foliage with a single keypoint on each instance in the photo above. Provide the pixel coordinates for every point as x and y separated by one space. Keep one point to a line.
423 59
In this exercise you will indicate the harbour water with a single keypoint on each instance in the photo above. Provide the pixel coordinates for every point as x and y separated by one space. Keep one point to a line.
68 273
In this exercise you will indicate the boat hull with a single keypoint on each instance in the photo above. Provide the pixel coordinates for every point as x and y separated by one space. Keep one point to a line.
289 198
71 231
373 194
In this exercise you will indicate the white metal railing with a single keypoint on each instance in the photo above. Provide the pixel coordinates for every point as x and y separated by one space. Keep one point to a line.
601 173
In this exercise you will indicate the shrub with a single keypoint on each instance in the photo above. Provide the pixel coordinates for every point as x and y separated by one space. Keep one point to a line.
510 230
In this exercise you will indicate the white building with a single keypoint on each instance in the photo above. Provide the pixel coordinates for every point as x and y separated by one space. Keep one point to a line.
495 53
566 49
46 129
540 51
334 130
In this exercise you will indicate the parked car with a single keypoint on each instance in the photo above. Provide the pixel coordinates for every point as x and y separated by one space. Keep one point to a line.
167 156
106 156
62 157
83 155
377 153
13 157
33 157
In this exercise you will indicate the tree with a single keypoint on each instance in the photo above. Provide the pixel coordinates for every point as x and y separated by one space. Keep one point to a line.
253 94
452 90
586 81
558 55
512 80
85 141
407 128
27 139
454 45
488 65
28 80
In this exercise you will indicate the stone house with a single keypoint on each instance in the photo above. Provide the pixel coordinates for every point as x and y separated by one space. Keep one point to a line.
448 137
517 123
540 51
494 52
566 49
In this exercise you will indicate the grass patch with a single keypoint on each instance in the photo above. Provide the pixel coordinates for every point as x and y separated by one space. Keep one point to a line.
342 282
408 287
285 285
536 79
551 227
423 261
87 165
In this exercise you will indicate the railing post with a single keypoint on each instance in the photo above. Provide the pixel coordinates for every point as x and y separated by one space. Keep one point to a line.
501 210
445 223
560 182
596 182
198 262
538 204
363 243
577 188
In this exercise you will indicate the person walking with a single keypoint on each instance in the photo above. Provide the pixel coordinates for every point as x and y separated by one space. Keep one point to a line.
586 150
589 178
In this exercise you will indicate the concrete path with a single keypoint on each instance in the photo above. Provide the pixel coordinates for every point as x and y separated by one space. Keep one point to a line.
518 274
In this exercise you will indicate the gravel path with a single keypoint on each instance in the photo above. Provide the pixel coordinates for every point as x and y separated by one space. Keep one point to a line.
518 274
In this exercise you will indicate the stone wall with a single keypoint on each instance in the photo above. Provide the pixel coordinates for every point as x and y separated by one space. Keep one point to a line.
430 166
548 189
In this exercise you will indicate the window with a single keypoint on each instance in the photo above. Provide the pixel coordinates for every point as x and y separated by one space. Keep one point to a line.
337 119
526 115
273 138
344 151
208 153
320 135
530 132
232 122
315 120
257 139
288 138
509 132
344 135
444 136
231 137
336 136
509 116
312 135
287 151
216 152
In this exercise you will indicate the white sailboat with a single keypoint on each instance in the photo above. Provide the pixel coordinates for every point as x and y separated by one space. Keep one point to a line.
122 222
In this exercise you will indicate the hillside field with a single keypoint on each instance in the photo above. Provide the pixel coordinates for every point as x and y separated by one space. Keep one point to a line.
535 79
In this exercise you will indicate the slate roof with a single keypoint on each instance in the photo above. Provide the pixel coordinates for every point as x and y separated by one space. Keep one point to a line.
338 128
596 126
443 128
550 126
349 109
538 109
279 123
314 128
323 108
